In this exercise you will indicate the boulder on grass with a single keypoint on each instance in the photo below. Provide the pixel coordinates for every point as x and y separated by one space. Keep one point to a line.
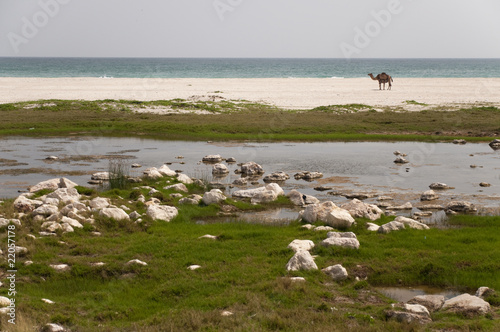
298 245
302 260
431 302
337 272
214 196
114 213
161 212
468 305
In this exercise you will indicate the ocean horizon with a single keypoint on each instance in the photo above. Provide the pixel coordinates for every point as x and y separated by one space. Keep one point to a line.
246 67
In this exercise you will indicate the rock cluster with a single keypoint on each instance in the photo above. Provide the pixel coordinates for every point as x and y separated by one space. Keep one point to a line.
419 308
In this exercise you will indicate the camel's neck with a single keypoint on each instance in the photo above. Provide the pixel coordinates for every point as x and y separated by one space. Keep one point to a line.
373 78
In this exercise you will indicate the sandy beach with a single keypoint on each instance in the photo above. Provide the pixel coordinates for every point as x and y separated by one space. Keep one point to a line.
289 93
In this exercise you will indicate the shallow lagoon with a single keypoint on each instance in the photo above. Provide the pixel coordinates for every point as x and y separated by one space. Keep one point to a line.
347 167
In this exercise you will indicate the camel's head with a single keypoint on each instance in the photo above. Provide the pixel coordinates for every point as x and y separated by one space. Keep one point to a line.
370 74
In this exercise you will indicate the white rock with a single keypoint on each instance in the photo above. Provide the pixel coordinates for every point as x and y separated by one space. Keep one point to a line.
193 267
214 196
66 195
484 291
99 203
134 215
439 186
323 229
45 210
467 304
339 218
97 264
411 223
337 272
417 309
359 209
177 187
405 206
391 226
51 226
60 267
265 196
344 242
429 195
276 177
53 184
300 199
4 301
401 160
166 171
51 201
276 188
191 201
152 173
431 302
114 213
297 279
21 251
372 227
48 301
240 182
308 176
72 222
298 245
67 228
208 236
220 169
162 212
100 176
212 158
302 260
328 212
136 262
252 168
184 178
308 226
226 313
24 204
50 327
461 206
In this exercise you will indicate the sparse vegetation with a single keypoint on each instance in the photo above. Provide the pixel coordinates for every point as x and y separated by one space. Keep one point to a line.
242 271
231 120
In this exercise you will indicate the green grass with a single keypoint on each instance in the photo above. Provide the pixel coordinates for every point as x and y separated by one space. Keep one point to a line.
243 271
244 120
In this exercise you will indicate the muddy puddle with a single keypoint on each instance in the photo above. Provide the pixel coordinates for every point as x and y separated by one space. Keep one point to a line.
405 294
360 167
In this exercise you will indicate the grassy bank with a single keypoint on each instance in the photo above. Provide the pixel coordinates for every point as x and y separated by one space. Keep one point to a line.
242 271
230 120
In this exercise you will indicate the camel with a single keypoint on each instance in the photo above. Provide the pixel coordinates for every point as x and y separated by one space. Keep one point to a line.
382 78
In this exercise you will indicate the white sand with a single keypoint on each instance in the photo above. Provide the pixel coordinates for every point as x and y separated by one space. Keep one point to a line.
292 93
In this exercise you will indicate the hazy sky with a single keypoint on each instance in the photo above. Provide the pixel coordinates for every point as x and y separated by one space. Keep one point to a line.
250 28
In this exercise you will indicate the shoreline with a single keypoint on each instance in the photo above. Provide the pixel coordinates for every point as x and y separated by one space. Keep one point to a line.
286 93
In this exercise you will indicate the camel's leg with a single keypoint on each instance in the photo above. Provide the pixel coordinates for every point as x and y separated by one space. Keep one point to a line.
379 85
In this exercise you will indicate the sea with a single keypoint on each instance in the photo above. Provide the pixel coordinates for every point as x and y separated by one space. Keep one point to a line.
245 68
